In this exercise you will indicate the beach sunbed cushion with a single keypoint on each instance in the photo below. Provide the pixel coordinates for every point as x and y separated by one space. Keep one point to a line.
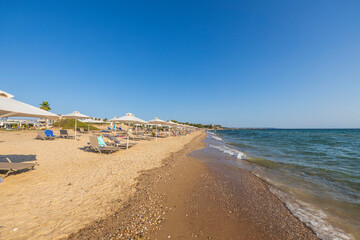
49 133
101 142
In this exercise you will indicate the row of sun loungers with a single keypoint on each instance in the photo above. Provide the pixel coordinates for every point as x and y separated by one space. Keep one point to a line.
96 144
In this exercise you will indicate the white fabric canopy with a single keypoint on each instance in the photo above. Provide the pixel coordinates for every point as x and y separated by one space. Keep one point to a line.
5 94
75 115
12 108
89 120
171 123
158 121
128 118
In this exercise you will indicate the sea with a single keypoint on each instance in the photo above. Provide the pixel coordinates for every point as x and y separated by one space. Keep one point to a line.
315 172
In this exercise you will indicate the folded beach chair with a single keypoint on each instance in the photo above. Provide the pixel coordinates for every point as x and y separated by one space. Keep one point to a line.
97 144
65 134
162 135
136 138
81 130
13 167
43 136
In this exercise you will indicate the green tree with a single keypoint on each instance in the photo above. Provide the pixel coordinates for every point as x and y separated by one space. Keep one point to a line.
45 106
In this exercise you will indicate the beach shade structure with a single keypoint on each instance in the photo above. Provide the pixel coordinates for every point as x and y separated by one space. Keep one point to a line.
10 107
129 118
5 94
171 124
75 115
157 122
90 120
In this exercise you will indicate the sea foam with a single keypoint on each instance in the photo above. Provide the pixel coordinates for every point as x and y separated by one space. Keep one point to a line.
313 218
230 151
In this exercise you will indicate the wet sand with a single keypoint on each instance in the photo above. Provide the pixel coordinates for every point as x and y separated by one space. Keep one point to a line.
186 198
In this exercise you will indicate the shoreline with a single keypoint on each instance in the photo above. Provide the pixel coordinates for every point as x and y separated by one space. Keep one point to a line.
173 201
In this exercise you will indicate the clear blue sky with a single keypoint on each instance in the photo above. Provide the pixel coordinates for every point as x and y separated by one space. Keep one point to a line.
237 63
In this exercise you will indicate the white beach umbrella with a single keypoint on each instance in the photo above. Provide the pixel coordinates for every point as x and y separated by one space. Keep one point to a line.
171 124
5 94
129 118
12 108
75 115
157 122
89 120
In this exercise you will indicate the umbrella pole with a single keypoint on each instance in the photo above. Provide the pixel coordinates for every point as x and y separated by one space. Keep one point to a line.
75 127
156 134
127 139
88 127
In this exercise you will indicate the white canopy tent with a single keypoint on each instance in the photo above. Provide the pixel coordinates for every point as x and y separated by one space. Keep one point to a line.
12 108
129 118
75 115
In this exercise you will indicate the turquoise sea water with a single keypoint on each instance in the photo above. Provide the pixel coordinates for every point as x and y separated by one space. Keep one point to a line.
315 172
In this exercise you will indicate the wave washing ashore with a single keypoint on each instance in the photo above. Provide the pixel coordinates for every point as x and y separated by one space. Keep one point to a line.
315 172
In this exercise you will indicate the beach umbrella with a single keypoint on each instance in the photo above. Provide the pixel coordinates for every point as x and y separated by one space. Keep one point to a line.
157 122
129 118
171 124
5 94
12 108
75 115
89 120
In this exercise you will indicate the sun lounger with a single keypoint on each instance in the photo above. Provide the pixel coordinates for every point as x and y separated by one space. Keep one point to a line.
81 130
49 133
116 142
95 146
13 167
43 136
163 135
65 134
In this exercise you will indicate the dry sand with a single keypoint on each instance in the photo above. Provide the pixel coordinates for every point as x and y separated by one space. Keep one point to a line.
70 188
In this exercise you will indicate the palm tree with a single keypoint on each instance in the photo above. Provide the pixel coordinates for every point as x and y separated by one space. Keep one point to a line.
45 106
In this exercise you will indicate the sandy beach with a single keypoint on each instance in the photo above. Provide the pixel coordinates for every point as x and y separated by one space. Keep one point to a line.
185 199
70 188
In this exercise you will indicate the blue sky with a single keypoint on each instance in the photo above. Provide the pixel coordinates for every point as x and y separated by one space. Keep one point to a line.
237 63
